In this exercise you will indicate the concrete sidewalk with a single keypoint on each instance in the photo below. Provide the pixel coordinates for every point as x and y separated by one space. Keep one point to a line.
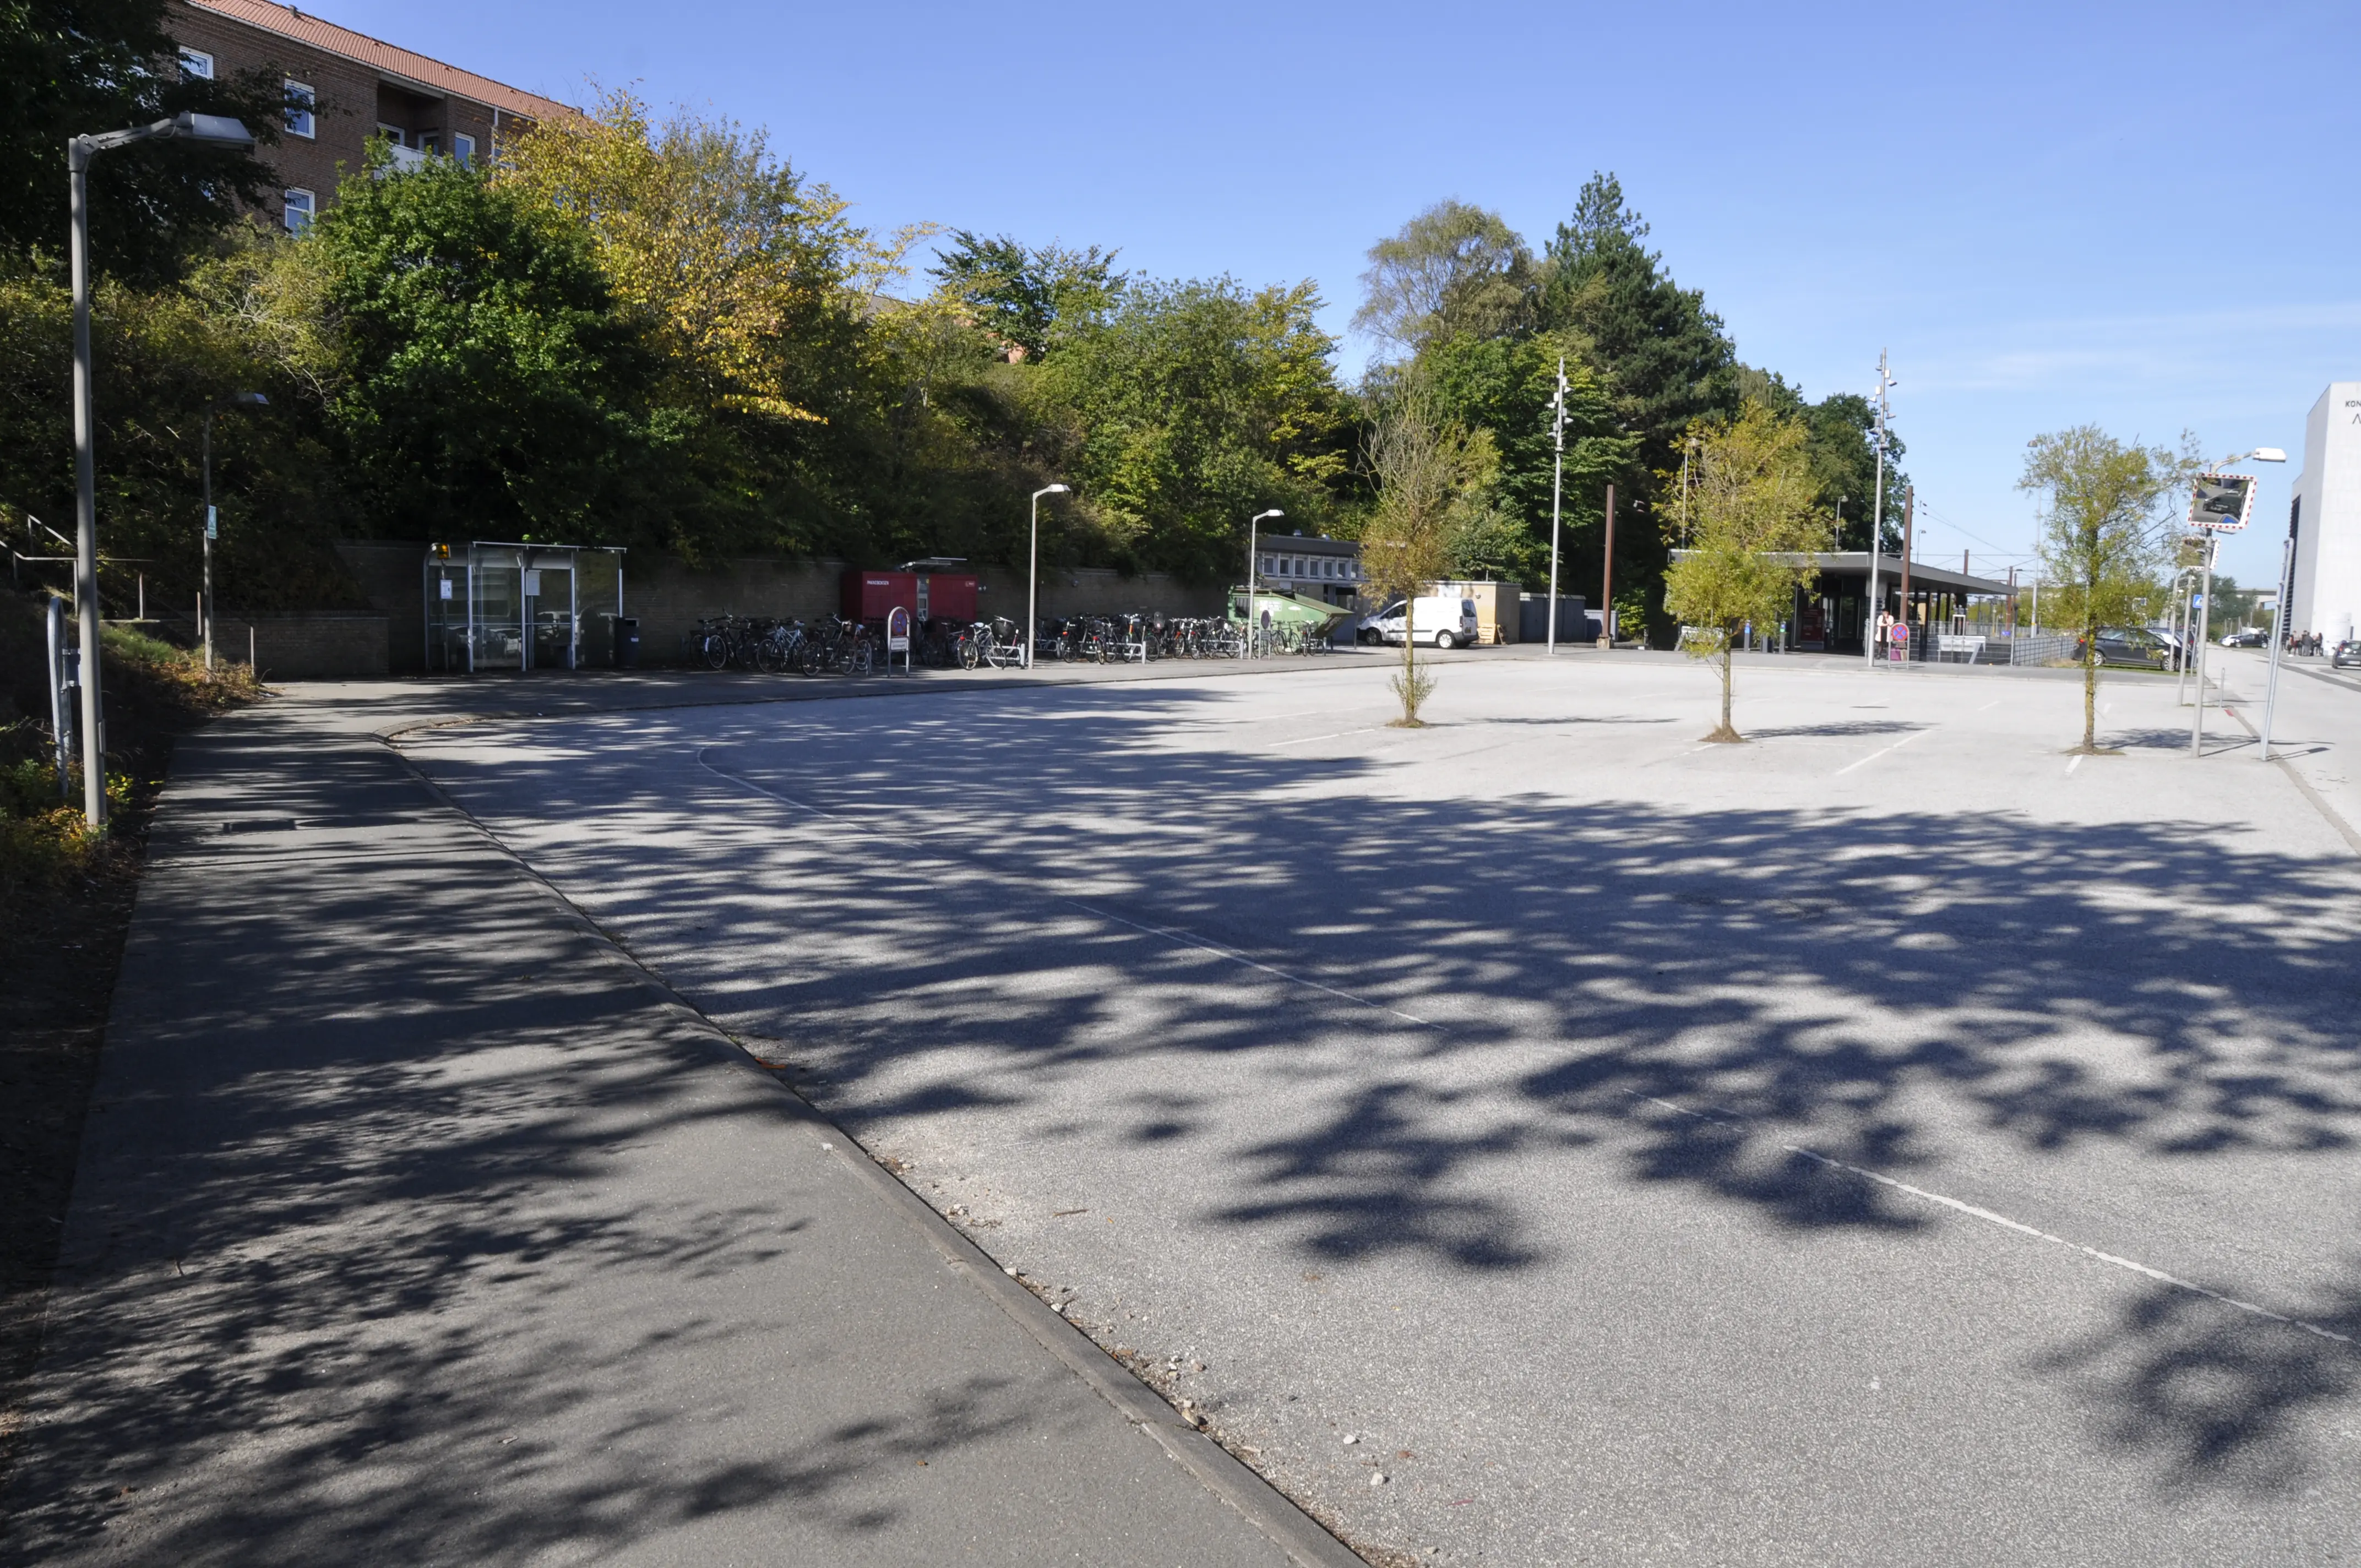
414 1223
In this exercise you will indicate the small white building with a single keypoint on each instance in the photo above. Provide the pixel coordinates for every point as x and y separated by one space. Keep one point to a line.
2325 517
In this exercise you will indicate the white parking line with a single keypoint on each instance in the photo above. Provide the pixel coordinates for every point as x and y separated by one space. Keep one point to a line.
1875 755
2020 1227
1339 735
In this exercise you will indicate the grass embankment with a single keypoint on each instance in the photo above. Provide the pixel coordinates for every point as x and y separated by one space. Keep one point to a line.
65 903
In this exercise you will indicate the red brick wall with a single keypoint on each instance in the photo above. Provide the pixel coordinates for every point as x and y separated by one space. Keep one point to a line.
352 101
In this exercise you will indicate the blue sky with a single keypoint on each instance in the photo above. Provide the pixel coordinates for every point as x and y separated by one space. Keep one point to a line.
2141 217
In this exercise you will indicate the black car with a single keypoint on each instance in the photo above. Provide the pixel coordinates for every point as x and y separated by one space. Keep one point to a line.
2345 652
2135 646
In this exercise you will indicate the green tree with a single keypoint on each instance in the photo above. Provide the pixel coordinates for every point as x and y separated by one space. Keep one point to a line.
1502 385
1751 498
487 382
2104 536
1430 473
1028 295
1453 270
74 67
1664 358
1839 446
1188 409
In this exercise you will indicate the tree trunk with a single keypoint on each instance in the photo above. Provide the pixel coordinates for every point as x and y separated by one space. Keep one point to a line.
1728 678
2091 686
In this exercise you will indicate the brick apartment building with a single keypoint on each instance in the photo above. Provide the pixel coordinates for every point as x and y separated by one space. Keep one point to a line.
344 87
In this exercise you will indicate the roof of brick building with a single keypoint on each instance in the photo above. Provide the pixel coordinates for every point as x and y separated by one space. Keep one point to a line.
388 60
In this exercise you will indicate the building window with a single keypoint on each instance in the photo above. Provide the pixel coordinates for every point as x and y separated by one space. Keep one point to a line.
463 147
298 206
432 141
301 102
198 63
393 134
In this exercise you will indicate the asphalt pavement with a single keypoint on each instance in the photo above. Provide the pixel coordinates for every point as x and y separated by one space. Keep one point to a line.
1896 1140
416 1224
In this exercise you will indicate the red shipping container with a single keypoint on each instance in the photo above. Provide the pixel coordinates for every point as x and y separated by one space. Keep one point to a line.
939 596
951 595
869 595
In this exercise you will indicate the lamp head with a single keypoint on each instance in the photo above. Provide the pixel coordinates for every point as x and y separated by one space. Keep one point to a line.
2267 454
250 399
1051 490
214 130
1273 512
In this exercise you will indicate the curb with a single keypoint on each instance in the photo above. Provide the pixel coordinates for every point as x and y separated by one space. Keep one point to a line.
1280 1519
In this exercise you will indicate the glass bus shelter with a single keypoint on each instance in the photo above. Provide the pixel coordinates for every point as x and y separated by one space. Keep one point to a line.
494 605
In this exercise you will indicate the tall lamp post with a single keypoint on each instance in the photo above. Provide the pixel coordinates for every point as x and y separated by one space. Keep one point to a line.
235 401
216 130
1033 571
1557 486
2205 603
1870 605
1254 525
2278 636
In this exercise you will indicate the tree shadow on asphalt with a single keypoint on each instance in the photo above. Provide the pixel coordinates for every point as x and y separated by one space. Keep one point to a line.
984 905
353 1300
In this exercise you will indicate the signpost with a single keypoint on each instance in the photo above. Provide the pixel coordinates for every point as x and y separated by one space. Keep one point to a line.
2218 504
1897 643
897 637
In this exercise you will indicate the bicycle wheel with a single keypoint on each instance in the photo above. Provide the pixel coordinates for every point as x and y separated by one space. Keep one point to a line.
716 651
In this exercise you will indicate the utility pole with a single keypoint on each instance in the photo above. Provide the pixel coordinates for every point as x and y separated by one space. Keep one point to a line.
1557 486
1607 580
1909 512
1870 605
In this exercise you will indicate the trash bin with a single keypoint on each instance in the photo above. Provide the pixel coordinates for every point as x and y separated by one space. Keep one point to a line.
627 642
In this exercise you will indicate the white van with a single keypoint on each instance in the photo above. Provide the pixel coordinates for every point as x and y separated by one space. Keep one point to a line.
1440 620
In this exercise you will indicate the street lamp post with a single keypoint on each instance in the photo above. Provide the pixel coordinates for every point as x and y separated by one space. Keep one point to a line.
1033 571
2205 603
216 130
235 400
1254 525
1558 486
1869 609
2278 636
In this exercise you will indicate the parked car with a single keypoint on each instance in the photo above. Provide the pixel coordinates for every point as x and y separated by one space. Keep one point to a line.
2246 639
2345 652
2132 646
1445 621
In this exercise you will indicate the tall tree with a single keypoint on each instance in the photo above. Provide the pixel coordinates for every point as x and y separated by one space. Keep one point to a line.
1841 447
1503 385
1190 407
1028 295
1755 520
2106 509
71 68
1453 270
1665 358
488 380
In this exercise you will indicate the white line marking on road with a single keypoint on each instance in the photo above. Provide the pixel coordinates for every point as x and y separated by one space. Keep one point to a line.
1339 735
1875 755
2072 765
1994 702
1170 934
1976 1212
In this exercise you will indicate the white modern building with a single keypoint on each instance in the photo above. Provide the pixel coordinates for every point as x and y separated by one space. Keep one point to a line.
2325 517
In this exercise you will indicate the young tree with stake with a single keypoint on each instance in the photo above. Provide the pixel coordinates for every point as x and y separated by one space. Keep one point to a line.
1754 524
2104 535
1425 467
